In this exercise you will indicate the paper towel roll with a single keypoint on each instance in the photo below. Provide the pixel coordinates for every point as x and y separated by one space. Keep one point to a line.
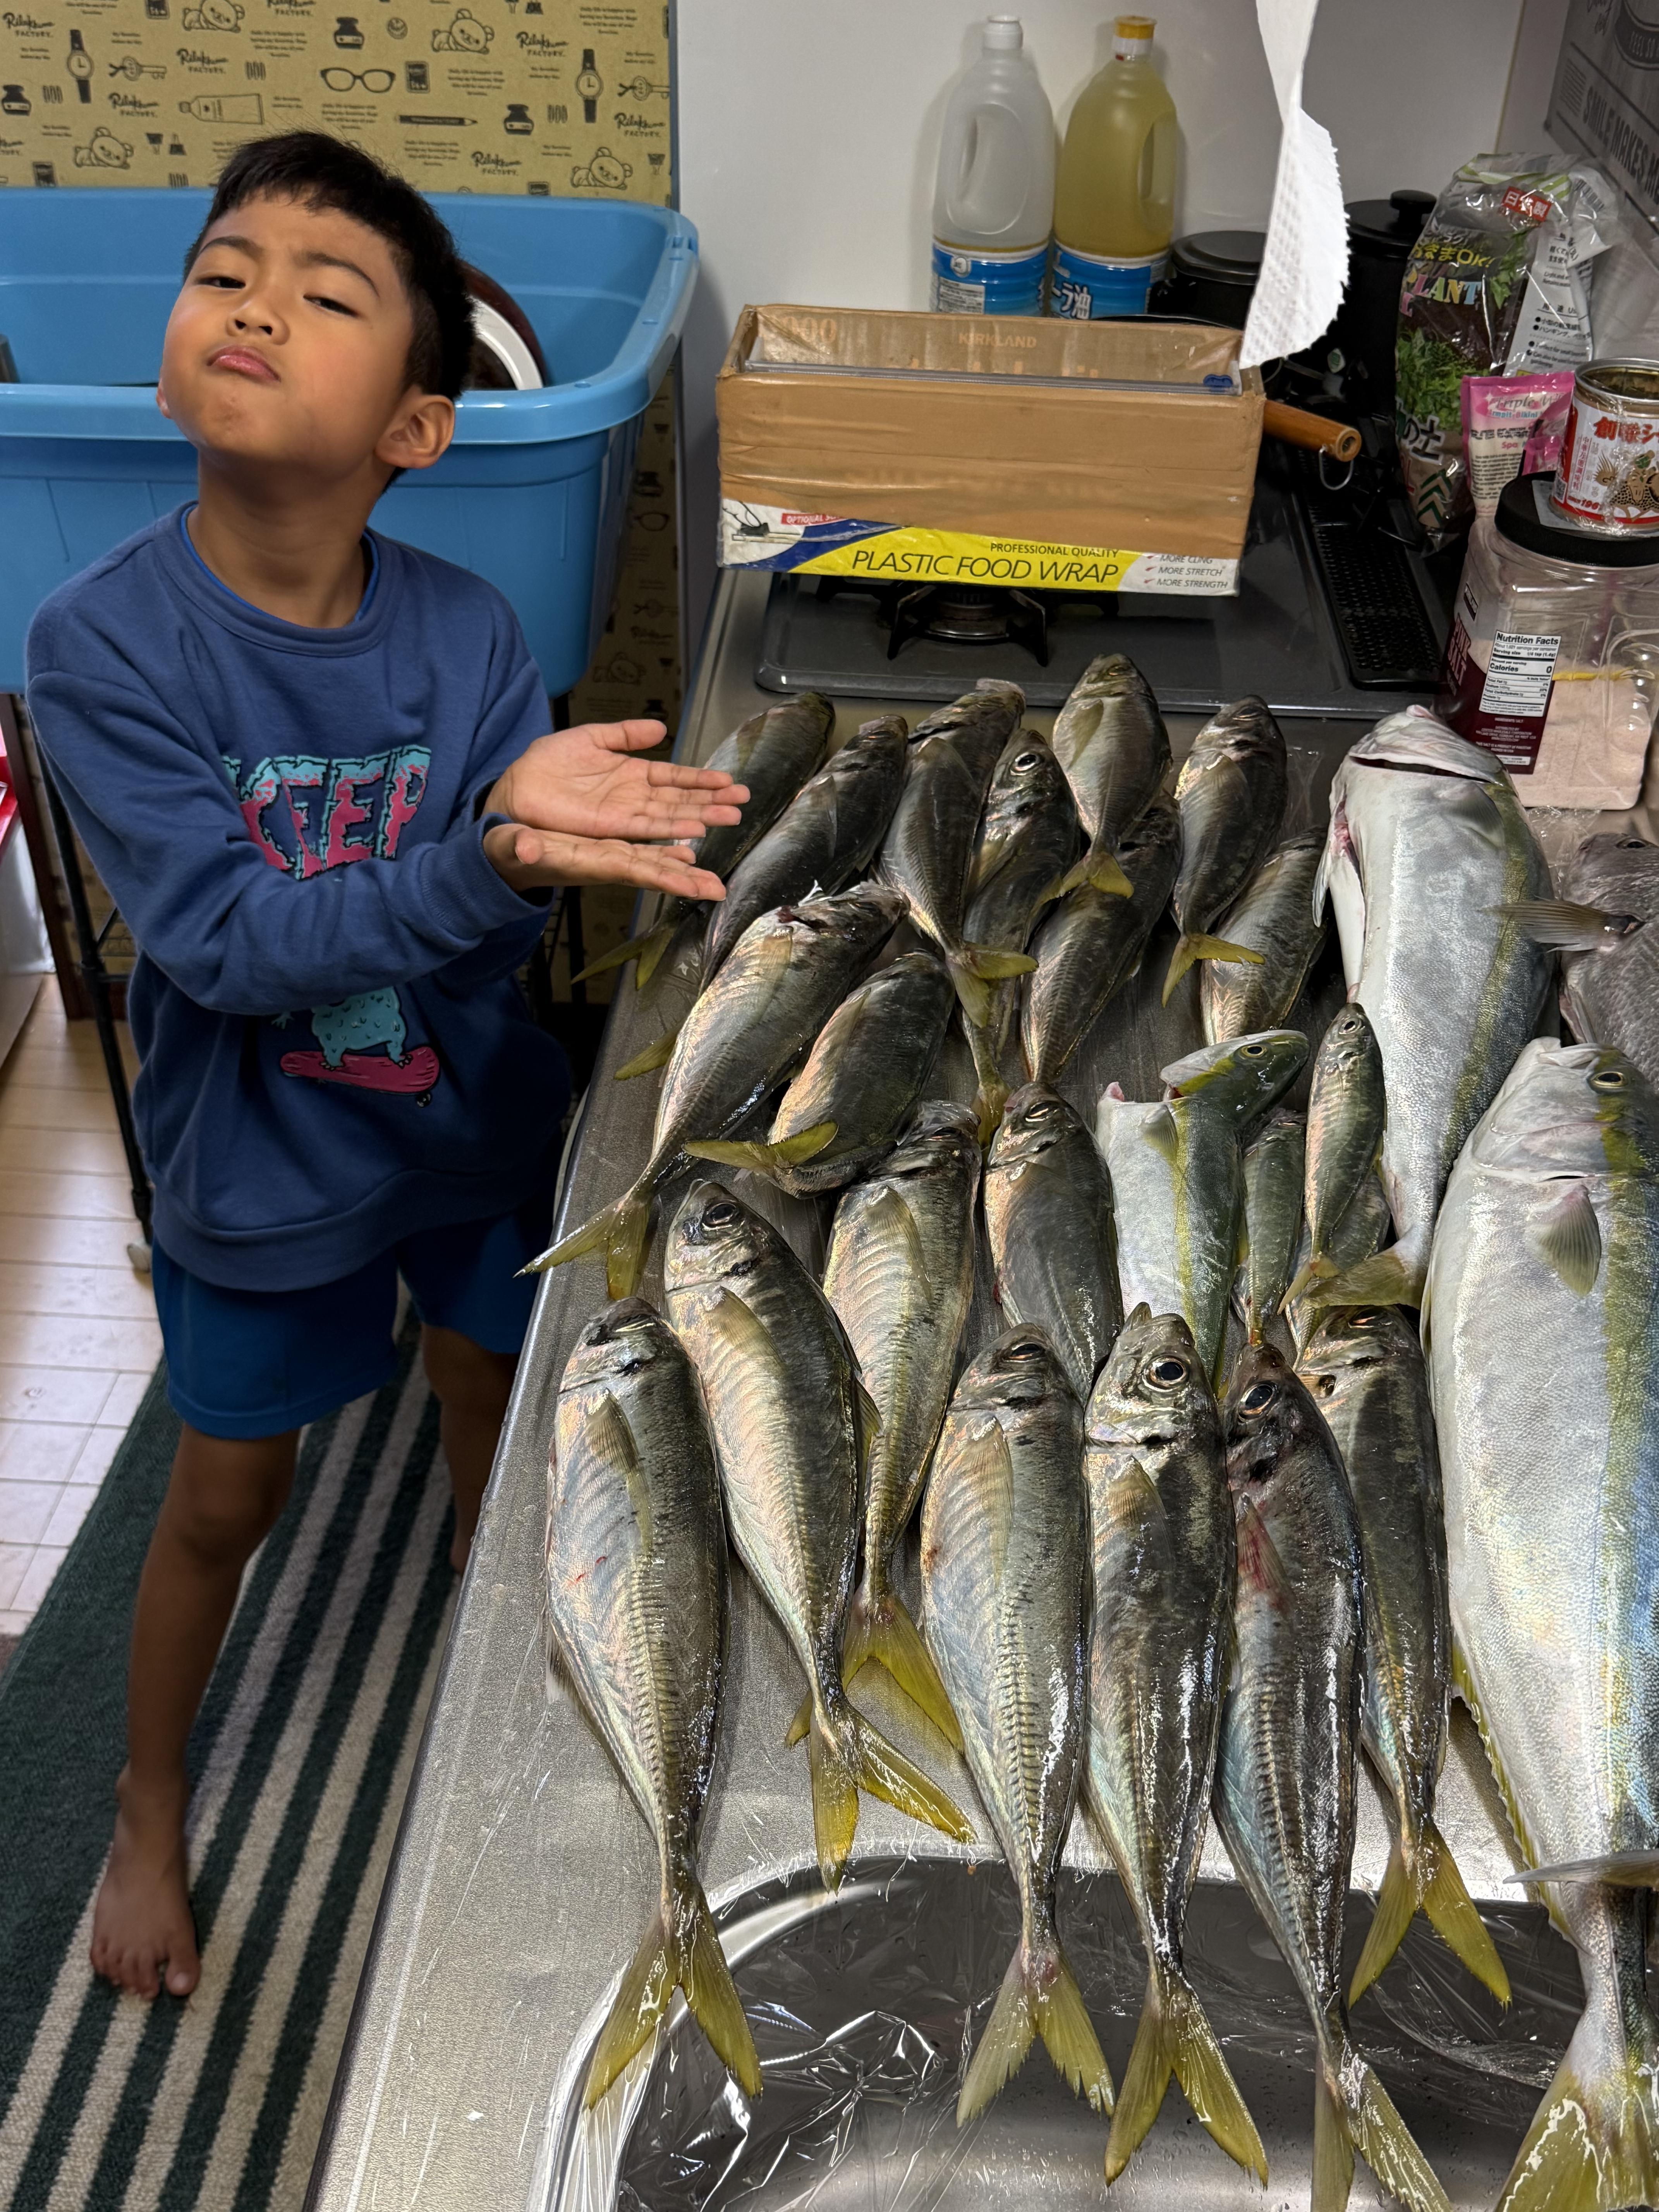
1304 264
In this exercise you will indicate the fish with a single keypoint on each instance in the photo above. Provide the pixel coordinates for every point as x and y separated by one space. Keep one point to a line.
1026 842
1232 793
900 1275
1053 1244
1601 926
929 846
1541 1326
772 753
636 1542
1427 844
864 1074
1284 1791
1273 1169
825 839
1347 1107
741 1041
1005 1572
1110 740
1273 916
1089 945
790 1421
1178 1178
1162 1522
1364 1368
1362 1232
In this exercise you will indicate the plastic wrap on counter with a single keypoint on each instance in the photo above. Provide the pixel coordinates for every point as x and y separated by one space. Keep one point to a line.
864 2007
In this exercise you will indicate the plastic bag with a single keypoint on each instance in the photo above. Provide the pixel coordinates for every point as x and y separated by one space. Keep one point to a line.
1498 284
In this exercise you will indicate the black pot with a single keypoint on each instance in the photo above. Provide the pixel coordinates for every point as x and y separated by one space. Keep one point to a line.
1211 277
1381 235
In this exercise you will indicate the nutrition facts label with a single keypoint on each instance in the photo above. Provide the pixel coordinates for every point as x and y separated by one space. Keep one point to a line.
1518 674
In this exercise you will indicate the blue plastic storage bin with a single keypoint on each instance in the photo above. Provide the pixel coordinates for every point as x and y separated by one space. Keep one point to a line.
532 493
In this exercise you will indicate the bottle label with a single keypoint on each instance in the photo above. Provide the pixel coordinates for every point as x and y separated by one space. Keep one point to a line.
968 283
1087 286
1501 706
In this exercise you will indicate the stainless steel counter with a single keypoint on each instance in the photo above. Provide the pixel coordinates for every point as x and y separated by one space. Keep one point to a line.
523 1875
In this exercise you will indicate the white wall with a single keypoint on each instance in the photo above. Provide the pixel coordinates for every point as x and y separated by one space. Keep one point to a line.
808 132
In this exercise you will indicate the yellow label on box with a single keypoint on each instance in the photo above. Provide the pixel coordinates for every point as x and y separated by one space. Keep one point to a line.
783 538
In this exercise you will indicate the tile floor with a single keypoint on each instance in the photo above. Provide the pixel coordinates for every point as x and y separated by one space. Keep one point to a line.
78 1335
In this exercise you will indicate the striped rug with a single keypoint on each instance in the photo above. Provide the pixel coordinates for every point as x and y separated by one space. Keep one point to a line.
301 1759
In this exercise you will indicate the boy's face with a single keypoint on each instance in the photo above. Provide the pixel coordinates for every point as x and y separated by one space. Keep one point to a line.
287 349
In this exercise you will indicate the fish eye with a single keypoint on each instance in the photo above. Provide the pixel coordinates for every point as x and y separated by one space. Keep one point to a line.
1631 844
1165 1374
1608 1079
1042 1109
1025 762
722 1214
1251 1051
1028 1349
1258 1398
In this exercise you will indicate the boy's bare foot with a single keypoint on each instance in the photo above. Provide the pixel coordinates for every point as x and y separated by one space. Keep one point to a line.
142 1927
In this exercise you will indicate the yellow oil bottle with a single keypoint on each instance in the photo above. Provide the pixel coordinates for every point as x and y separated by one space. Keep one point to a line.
1114 193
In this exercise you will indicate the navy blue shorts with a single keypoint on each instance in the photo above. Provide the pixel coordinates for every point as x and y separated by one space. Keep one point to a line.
247 1363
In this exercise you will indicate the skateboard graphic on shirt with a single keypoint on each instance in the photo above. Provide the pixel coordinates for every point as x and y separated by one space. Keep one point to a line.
372 1017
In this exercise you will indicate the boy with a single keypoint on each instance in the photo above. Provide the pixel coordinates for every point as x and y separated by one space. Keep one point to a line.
311 765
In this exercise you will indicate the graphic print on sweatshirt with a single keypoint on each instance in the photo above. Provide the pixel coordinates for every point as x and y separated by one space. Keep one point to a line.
309 812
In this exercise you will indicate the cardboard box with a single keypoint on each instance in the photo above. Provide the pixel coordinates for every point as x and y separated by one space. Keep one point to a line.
987 449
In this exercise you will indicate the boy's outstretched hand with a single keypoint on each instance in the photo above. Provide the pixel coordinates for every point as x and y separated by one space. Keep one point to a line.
538 859
589 782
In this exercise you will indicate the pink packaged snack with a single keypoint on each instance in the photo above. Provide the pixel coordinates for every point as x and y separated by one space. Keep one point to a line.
1512 425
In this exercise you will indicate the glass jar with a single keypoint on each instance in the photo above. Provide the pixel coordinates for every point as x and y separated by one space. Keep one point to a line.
1553 664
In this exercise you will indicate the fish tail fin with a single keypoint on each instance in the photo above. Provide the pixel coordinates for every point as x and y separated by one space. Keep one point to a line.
656 1054
879 1629
768 1159
832 1765
1100 870
991 1095
1451 1913
887 1774
1174 2036
1385 1280
846 1754
1594 2143
648 947
1397 1900
620 1232
1193 946
680 1949
975 968
1372 2126
1312 1271
1039 1996
1333 2148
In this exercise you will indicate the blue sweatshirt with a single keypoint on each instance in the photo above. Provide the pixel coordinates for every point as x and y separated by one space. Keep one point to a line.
333 1053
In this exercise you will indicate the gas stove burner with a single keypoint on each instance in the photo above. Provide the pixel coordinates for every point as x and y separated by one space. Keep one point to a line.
953 614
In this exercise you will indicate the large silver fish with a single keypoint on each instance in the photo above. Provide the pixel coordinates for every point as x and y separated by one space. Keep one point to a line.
824 839
1005 1581
790 1419
1541 1325
1178 1178
1027 838
1273 916
1232 793
1049 1211
1365 1368
1274 1165
1090 944
1290 1732
1162 1521
866 1072
637 1603
929 846
773 752
1427 842
900 1275
1603 925
741 1041
1110 739
1347 1110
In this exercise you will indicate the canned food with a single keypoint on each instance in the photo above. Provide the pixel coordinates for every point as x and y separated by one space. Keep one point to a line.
1608 479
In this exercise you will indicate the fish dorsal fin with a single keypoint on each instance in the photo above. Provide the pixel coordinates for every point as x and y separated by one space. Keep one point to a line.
888 1213
1260 1561
1568 1238
611 1436
1159 1131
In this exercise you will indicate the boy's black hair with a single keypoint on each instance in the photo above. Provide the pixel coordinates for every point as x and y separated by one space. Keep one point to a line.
321 171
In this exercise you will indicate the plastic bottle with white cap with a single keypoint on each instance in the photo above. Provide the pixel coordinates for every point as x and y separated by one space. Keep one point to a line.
1115 197
993 206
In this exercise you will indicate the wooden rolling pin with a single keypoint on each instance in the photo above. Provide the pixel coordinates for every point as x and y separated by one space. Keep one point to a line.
1297 427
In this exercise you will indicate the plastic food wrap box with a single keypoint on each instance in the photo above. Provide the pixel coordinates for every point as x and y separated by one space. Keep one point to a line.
988 449
532 493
